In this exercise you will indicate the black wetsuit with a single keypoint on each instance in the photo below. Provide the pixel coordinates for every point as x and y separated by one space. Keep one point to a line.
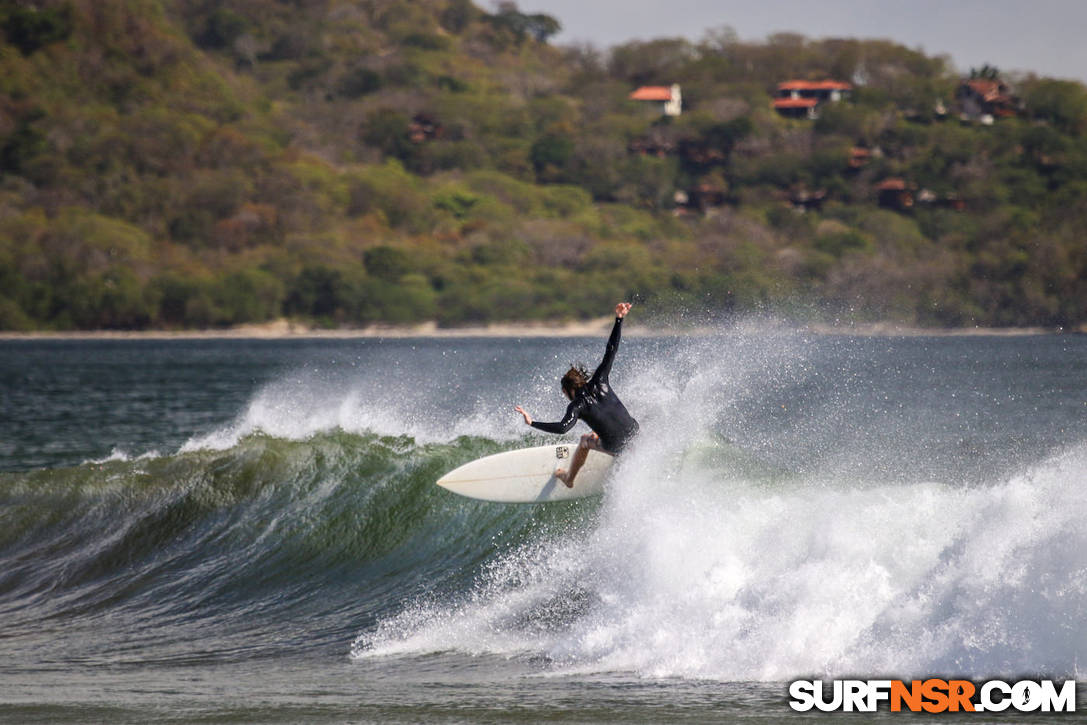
598 405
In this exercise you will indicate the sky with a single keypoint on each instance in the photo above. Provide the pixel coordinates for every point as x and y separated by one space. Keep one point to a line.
1042 36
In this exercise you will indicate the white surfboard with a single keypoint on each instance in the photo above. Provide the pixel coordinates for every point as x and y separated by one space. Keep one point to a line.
528 475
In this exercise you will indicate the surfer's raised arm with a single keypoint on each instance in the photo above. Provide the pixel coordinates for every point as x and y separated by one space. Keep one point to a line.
604 369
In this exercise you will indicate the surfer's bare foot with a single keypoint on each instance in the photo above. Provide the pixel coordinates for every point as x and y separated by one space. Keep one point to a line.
560 473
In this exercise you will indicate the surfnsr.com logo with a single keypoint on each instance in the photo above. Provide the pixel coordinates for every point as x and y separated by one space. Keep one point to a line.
933 695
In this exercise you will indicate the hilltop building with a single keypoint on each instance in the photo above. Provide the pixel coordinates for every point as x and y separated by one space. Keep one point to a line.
860 156
984 99
901 195
895 193
802 99
667 98
424 127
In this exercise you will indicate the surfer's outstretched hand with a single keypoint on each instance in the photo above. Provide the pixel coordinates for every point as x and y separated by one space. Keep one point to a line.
528 418
622 309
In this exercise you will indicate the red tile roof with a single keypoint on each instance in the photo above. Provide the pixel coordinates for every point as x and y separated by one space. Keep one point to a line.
814 86
892 184
795 102
652 93
988 89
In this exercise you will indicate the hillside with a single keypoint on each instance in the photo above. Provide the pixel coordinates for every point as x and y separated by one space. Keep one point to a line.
177 164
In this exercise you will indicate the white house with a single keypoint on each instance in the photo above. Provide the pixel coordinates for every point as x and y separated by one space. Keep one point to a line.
669 98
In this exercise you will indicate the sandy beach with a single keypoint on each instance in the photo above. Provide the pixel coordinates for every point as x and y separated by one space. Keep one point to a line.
598 327
285 329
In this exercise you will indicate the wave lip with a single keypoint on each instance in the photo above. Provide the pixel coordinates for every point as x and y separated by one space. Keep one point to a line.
118 454
297 409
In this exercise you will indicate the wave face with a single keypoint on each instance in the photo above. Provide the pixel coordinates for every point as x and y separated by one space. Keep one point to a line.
152 556
793 506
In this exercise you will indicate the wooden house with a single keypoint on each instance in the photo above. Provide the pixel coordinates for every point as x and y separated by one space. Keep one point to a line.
982 100
895 193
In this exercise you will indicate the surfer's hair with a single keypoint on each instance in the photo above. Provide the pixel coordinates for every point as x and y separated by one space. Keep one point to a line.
574 379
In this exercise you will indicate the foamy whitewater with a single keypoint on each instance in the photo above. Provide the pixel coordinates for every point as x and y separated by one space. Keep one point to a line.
251 531
697 567
687 577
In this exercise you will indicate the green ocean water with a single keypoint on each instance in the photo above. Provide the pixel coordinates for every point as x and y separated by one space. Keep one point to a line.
248 531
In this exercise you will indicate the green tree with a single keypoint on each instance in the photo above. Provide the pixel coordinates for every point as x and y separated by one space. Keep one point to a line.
458 15
318 291
510 19
223 27
387 263
550 155
1062 103
29 28
387 130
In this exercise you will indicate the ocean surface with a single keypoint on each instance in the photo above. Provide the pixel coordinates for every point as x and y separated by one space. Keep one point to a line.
249 531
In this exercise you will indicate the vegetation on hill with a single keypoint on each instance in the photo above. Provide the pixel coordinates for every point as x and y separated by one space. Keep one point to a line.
190 163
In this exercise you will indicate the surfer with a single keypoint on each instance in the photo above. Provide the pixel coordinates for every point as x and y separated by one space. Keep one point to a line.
593 400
